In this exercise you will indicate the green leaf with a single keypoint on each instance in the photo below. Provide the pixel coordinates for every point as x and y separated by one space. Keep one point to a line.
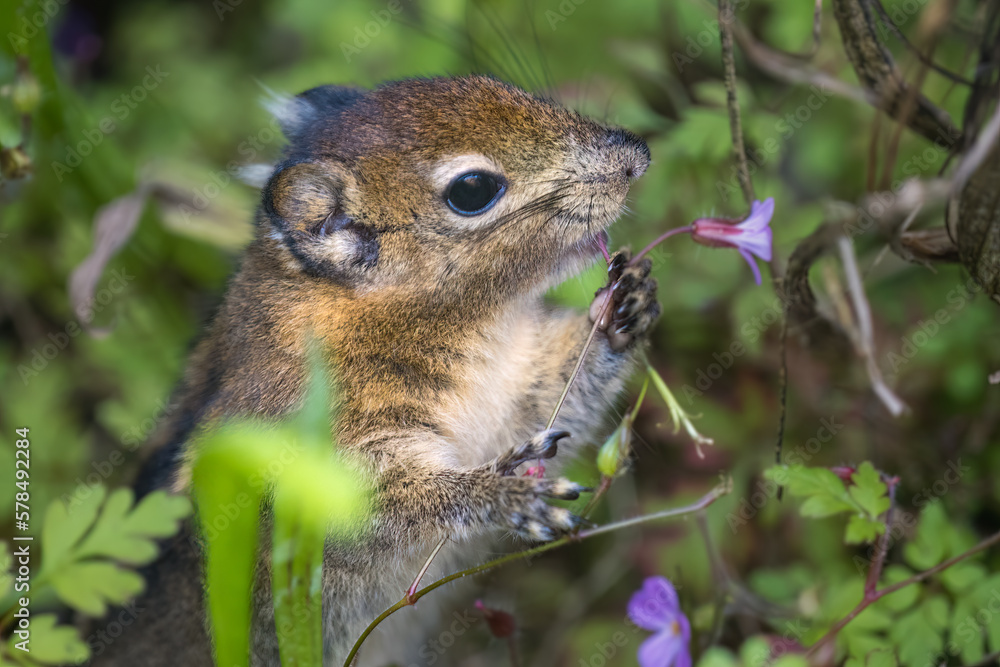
904 598
128 536
6 576
822 506
963 576
991 591
826 495
872 618
869 491
860 645
916 638
80 542
52 644
64 526
89 586
790 660
884 658
966 632
929 546
935 610
678 415
861 528
314 494
808 482
297 571
874 657
717 657
116 531
228 509
755 651
299 533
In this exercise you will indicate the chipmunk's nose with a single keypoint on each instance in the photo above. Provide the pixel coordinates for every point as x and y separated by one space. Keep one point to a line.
633 153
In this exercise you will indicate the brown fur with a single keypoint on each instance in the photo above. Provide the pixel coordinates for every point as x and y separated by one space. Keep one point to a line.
447 359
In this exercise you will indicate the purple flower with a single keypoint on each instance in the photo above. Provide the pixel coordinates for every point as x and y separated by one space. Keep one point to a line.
751 237
655 607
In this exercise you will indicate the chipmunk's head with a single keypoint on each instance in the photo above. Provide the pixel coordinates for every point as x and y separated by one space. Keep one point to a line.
453 185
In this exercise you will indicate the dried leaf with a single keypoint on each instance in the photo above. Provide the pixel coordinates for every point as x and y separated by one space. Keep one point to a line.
114 224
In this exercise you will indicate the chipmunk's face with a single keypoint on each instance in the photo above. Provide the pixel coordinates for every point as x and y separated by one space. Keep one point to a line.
447 183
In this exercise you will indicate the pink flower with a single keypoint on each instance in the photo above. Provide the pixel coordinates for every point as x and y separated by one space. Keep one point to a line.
751 237
655 607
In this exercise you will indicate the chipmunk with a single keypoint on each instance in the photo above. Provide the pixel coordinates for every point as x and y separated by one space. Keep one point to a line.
413 231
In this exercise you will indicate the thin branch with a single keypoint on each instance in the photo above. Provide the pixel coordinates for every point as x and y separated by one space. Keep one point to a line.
703 502
726 18
985 142
875 573
817 26
602 488
865 339
784 68
782 390
721 579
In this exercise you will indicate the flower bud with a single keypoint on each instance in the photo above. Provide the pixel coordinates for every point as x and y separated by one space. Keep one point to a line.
616 449
502 624
25 93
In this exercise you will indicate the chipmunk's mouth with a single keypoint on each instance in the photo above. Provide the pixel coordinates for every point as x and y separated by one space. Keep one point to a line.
601 240
580 256
588 250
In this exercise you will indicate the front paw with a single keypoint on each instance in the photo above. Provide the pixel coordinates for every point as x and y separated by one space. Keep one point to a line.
522 507
543 445
519 503
633 309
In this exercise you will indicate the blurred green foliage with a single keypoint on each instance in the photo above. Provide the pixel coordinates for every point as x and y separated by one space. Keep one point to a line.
89 547
312 496
178 85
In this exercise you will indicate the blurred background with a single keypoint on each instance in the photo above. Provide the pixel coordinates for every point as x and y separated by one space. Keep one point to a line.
159 103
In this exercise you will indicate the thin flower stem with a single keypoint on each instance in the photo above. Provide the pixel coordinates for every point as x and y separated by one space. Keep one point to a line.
580 359
420 575
606 481
888 590
875 573
703 502
726 16
596 498
515 658
659 239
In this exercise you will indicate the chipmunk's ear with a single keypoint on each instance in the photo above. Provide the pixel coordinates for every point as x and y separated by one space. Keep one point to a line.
305 204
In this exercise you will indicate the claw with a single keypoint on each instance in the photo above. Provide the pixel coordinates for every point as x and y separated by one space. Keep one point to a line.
552 440
564 489
628 324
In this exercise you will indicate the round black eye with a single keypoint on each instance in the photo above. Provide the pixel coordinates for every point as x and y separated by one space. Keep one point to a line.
474 192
